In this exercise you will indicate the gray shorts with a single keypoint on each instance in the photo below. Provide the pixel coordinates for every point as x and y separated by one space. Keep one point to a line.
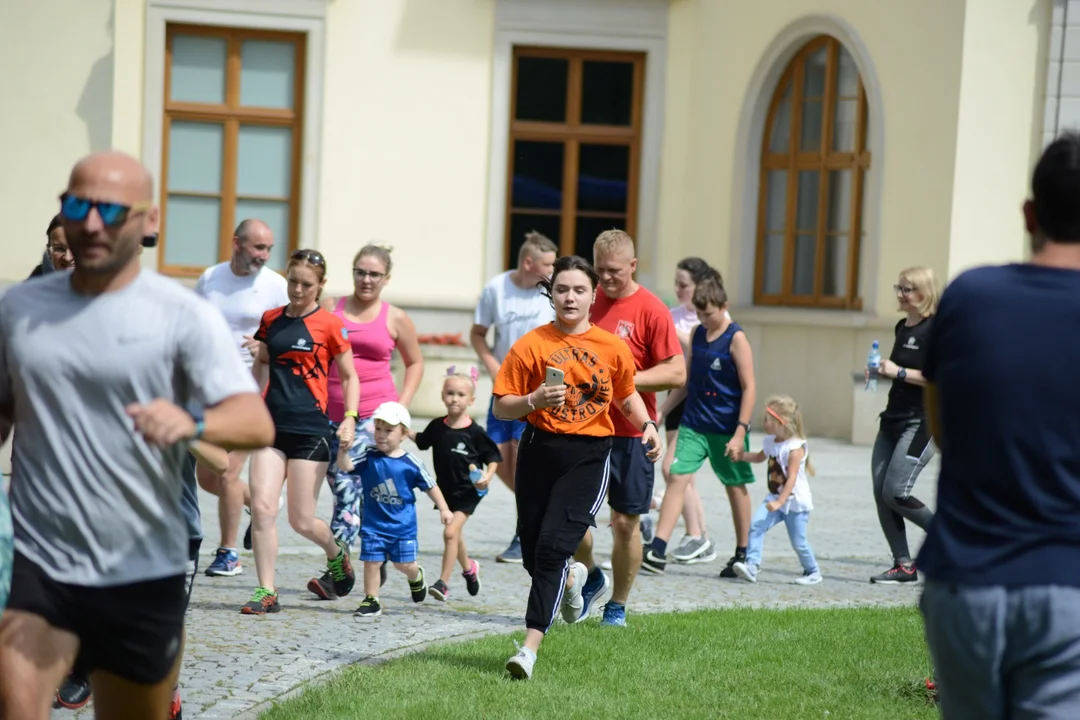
1004 652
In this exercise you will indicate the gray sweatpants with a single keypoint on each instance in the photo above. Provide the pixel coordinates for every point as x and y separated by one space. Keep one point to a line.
895 470
1004 653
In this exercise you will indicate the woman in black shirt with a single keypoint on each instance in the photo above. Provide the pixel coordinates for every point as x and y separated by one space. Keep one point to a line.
903 448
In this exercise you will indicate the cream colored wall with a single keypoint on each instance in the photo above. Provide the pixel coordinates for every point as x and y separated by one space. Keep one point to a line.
56 81
405 138
717 50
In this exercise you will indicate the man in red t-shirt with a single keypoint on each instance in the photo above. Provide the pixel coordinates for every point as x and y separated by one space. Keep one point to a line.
644 322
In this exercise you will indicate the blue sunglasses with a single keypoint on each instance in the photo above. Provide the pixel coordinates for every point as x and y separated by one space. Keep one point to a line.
77 209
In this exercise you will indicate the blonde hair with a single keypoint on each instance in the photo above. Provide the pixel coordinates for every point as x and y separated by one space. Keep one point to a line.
536 245
379 251
924 280
612 241
789 416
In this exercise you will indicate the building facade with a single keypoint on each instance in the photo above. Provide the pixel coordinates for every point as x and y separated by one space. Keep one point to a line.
809 149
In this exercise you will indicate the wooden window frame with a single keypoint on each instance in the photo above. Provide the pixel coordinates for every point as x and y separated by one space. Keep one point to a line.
572 134
232 115
824 160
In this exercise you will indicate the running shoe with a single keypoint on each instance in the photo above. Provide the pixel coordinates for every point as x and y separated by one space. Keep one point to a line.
472 578
521 665
418 588
226 564
341 571
614 615
369 608
596 587
512 554
439 590
263 601
897 575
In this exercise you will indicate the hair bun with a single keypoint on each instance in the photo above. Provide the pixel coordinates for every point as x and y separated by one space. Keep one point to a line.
383 246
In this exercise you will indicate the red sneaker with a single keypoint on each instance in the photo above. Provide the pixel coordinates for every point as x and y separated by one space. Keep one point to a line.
174 708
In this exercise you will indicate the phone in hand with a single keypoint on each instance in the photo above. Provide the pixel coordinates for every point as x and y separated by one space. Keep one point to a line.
554 377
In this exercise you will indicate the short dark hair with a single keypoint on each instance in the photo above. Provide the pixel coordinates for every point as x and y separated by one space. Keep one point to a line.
709 292
1055 190
56 222
565 264
698 270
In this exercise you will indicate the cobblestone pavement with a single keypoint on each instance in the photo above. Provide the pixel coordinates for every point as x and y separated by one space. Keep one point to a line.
234 663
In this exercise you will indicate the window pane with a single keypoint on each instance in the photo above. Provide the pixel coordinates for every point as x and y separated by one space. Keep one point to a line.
541 89
806 211
198 69
195 156
538 175
845 116
834 274
587 229
805 252
839 201
276 215
774 264
264 161
192 229
603 177
521 223
267 74
607 93
814 73
780 133
776 201
847 75
810 132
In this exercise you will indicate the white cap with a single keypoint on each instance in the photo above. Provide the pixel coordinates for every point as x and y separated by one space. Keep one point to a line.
393 413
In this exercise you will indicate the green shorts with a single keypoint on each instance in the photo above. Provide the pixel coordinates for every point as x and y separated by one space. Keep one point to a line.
693 447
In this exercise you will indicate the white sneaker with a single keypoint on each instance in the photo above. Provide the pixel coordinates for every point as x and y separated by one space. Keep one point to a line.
809 578
572 602
746 571
520 666
606 565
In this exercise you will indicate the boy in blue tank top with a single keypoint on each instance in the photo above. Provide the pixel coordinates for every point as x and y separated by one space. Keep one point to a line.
720 394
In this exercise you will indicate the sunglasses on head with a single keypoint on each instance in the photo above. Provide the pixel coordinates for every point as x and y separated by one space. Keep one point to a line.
77 209
311 256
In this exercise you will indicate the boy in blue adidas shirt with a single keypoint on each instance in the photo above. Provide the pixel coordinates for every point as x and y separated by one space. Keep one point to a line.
390 476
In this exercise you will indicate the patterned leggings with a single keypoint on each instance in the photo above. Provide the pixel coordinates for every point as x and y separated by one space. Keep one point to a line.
348 495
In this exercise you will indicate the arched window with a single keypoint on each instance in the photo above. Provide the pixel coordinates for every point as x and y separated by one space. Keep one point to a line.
813 166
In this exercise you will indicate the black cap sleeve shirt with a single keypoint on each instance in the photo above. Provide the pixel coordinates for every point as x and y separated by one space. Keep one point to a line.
909 351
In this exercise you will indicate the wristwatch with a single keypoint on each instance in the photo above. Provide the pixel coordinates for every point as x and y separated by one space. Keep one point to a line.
200 422
647 423
901 374
745 426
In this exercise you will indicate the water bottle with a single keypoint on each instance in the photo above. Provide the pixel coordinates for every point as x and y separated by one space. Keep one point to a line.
873 363
476 475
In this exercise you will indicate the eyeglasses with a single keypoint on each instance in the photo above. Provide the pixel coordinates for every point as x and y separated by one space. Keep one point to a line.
59 249
360 274
311 256
77 209
903 289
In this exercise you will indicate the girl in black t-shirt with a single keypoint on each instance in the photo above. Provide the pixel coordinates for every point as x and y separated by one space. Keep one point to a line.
903 448
465 460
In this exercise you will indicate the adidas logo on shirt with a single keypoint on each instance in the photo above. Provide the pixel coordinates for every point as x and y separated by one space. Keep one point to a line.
716 364
386 492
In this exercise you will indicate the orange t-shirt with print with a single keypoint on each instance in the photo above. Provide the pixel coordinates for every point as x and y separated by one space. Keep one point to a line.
598 369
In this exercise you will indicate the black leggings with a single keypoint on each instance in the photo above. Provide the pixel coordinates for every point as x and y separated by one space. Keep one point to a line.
561 484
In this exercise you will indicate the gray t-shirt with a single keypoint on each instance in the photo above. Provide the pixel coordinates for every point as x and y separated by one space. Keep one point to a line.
93 504
513 311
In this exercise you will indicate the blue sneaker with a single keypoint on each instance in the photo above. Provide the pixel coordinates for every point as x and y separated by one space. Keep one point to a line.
511 554
226 564
614 615
596 586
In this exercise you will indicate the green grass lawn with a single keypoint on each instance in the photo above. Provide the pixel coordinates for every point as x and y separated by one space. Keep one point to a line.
739 663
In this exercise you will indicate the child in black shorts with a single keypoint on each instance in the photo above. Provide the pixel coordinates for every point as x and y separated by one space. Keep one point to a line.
465 460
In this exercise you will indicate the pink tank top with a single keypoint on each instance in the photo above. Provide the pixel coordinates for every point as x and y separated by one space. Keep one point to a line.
372 348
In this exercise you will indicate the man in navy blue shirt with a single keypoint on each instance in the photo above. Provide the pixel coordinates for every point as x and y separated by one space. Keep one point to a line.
1002 556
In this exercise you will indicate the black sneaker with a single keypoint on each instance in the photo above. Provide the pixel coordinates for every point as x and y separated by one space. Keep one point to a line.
341 572
727 572
418 588
897 575
382 574
472 578
438 590
247 537
262 602
323 586
652 563
368 609
74 693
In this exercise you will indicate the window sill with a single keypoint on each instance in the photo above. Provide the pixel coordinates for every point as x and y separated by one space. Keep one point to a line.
759 315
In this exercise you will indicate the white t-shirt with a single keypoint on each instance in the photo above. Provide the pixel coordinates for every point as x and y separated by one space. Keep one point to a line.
686 318
777 462
242 299
513 311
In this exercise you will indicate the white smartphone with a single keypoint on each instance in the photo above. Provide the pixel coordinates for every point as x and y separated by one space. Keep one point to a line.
554 377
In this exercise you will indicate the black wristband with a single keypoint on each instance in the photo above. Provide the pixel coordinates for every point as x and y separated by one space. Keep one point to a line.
648 423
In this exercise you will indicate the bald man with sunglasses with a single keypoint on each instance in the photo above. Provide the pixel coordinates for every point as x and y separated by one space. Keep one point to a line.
97 368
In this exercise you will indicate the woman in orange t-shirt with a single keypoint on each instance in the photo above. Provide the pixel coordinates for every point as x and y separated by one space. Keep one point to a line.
562 466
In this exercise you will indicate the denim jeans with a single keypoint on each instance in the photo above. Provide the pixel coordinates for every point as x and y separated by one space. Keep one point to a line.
348 494
1003 652
796 529
7 549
